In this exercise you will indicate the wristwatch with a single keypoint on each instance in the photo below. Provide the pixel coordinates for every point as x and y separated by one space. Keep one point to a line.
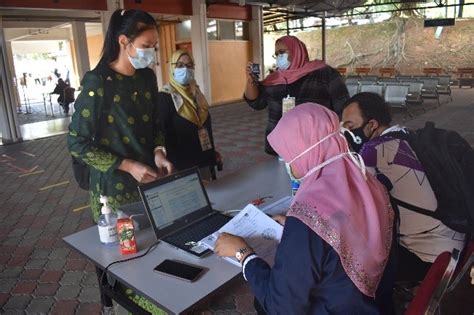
241 252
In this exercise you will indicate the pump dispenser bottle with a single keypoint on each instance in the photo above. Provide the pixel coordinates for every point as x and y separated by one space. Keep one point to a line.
107 224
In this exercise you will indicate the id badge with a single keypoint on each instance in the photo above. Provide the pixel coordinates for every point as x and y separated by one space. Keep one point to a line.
204 139
287 104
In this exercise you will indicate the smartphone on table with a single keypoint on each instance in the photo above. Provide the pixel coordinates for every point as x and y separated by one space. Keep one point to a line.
179 269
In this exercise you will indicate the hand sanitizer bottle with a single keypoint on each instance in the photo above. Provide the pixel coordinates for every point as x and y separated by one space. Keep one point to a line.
294 187
107 224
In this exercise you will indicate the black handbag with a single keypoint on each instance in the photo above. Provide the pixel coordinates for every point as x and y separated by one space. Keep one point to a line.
80 169
81 173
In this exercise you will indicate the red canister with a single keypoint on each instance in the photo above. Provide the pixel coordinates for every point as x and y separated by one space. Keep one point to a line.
126 235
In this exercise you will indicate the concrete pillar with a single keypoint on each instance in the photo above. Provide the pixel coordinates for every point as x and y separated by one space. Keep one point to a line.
80 48
256 36
9 51
9 126
200 47
112 5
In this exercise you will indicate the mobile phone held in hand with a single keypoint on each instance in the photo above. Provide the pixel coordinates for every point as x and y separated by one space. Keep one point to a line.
255 70
180 270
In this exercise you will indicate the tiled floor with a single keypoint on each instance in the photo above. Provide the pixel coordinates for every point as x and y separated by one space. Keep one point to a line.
40 204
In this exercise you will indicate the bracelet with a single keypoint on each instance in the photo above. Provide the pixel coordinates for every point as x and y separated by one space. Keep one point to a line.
162 148
251 254
246 261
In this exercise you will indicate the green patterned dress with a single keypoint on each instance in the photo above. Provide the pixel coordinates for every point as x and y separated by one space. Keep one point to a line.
115 118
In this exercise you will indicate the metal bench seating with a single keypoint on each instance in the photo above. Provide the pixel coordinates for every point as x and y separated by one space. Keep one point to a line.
352 80
353 89
414 96
373 88
369 78
387 80
444 85
396 96
430 89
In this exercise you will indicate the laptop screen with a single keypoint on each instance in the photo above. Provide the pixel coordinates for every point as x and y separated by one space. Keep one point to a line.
175 199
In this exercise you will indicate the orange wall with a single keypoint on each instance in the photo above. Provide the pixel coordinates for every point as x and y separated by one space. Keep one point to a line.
94 47
167 47
227 60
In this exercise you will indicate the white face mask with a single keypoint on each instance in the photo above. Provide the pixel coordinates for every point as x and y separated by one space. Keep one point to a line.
144 57
355 157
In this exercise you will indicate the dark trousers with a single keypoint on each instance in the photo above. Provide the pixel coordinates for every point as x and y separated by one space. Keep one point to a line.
258 307
410 267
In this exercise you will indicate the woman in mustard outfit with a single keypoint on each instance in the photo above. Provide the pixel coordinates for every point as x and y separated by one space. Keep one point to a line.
185 118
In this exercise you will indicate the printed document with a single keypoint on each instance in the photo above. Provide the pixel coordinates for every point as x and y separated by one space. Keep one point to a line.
261 232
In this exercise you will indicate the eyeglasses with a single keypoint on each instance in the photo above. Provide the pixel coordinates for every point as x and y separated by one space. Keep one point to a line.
182 65
279 52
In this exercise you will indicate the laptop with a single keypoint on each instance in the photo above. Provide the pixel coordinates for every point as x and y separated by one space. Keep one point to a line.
180 212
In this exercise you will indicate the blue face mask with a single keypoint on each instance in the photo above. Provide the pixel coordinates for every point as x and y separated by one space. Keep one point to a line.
282 62
144 57
183 75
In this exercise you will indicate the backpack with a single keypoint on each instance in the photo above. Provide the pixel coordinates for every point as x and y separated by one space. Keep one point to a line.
80 169
448 162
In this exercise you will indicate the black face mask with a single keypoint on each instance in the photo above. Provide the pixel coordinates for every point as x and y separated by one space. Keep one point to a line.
359 138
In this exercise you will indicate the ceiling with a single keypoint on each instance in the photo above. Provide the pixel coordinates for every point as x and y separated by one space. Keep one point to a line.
278 11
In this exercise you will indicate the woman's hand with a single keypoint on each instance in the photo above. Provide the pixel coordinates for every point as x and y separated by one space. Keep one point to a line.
141 172
251 88
280 219
164 167
250 76
227 245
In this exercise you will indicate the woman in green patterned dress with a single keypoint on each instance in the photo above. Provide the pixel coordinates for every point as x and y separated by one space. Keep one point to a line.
115 127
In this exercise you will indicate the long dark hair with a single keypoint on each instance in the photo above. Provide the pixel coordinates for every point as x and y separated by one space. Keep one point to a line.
130 23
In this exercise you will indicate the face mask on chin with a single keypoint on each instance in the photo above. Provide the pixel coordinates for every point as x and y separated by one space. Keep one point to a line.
144 57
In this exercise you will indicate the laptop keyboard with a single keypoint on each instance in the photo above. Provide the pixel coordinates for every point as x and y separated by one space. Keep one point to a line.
197 231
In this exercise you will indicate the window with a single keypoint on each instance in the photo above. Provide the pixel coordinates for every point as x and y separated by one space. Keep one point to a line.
242 30
212 29
227 30
183 31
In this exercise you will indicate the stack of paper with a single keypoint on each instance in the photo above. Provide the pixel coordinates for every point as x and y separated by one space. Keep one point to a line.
260 231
